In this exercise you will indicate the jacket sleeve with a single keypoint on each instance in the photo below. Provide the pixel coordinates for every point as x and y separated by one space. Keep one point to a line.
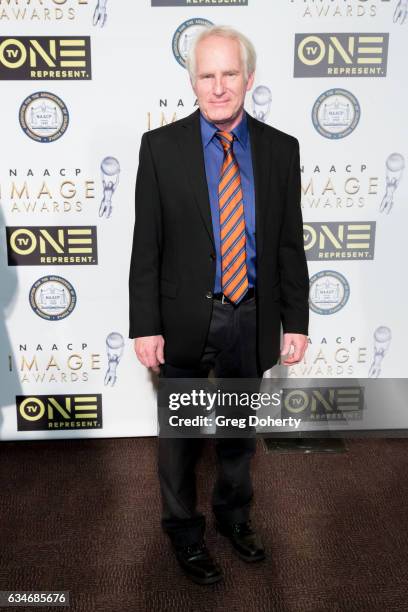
144 306
294 277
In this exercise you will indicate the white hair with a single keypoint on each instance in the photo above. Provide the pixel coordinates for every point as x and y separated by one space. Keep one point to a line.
248 53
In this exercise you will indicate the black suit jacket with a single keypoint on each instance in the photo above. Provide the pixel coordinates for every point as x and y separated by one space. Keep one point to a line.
172 267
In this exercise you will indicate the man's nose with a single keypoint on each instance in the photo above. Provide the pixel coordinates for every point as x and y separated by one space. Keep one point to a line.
219 86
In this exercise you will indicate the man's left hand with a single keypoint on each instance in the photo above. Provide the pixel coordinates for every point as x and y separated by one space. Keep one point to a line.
299 344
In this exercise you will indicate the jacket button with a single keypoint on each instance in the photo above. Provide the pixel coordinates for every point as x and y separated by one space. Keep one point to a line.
209 295
212 256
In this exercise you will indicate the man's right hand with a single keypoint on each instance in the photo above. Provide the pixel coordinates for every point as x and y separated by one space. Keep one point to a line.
150 351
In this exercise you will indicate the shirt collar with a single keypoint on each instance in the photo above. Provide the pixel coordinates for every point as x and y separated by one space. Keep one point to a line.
240 131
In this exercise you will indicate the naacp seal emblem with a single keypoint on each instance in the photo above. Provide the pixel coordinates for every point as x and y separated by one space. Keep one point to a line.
52 297
329 292
43 116
184 35
336 113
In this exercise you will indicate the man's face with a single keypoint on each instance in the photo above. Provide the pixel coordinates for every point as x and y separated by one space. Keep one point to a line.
220 86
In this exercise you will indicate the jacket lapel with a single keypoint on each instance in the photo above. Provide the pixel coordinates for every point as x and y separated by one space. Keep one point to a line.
191 150
261 169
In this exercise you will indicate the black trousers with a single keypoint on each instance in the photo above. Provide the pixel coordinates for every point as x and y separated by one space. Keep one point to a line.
231 352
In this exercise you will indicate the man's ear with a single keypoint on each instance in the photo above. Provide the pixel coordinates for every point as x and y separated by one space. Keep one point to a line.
250 81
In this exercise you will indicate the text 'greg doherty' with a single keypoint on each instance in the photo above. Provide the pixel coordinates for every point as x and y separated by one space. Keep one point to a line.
251 420
209 401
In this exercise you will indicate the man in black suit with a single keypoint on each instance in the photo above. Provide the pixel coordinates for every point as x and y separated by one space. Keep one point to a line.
217 266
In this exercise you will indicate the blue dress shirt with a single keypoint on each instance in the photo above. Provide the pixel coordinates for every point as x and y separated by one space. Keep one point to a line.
213 159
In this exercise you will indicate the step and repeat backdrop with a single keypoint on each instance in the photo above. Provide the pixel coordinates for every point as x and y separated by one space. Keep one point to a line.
81 80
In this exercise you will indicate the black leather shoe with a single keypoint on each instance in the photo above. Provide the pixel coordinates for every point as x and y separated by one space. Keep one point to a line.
244 540
197 564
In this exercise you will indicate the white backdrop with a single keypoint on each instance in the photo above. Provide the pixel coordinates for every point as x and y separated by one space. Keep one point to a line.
57 374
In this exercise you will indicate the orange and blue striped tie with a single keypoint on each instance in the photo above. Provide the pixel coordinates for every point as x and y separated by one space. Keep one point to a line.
234 276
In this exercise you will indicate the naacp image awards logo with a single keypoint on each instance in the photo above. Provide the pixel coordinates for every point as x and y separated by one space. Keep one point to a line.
52 297
44 116
336 113
184 35
329 292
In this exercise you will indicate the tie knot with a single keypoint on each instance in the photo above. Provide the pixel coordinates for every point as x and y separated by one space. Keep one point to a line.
225 139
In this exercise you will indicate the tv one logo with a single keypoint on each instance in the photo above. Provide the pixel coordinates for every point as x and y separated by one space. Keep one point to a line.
33 246
197 3
339 240
323 403
45 412
45 57
341 55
